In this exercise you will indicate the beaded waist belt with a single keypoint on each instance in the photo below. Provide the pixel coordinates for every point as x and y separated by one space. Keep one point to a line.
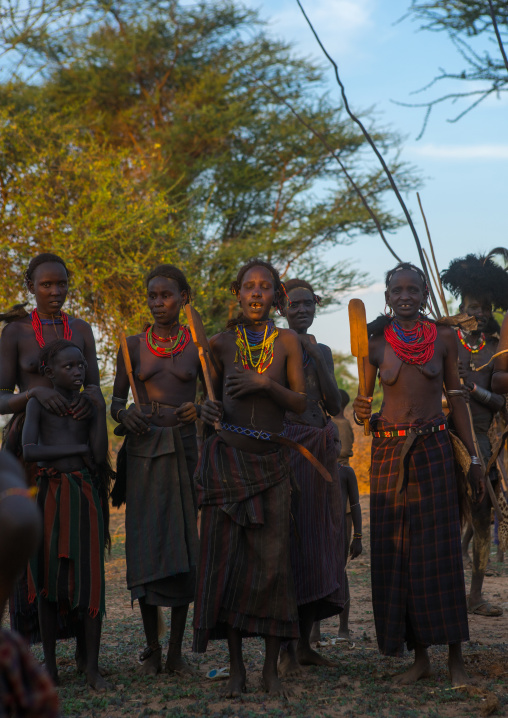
406 432
251 433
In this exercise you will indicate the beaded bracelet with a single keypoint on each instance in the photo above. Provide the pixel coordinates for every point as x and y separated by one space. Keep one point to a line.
29 493
357 536
476 461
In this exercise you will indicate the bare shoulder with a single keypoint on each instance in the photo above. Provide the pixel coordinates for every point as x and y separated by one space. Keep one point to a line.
288 336
11 330
446 333
220 341
134 339
81 325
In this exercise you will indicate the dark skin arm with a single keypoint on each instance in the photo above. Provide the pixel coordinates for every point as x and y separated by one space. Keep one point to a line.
496 401
98 428
32 451
134 420
500 375
20 525
323 359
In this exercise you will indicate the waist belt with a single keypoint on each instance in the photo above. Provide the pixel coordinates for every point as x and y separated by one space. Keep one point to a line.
407 432
251 433
411 435
279 439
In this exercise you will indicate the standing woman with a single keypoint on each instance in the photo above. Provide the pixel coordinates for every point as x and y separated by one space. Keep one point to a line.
500 375
159 457
22 339
418 591
317 537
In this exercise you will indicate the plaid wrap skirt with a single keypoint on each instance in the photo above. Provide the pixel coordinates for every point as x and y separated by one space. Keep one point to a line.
418 591
244 577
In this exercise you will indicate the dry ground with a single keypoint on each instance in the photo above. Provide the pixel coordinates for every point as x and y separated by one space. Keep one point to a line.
361 686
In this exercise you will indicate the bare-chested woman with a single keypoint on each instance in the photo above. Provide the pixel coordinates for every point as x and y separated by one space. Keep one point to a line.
245 586
317 538
418 588
47 279
159 457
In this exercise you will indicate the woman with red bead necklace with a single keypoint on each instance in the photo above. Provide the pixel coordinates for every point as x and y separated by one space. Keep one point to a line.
418 591
158 459
23 337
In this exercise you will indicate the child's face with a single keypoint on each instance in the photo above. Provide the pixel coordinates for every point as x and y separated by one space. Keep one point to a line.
67 369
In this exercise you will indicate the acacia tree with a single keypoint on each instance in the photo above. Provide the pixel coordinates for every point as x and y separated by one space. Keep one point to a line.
174 105
466 22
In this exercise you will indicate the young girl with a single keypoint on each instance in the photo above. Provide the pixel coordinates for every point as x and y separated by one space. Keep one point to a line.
67 575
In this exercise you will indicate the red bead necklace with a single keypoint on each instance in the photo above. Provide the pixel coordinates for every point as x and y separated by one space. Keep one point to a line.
37 327
181 340
413 346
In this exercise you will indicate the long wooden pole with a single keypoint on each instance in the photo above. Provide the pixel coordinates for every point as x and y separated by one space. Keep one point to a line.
128 369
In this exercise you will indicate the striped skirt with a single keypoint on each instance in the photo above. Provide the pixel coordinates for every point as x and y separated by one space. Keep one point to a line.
418 589
317 534
69 566
244 573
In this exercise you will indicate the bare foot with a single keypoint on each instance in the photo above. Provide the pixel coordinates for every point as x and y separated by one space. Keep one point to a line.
419 669
235 686
97 682
152 665
458 674
289 666
272 685
178 665
309 657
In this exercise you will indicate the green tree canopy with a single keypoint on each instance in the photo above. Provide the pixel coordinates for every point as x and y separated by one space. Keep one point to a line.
148 133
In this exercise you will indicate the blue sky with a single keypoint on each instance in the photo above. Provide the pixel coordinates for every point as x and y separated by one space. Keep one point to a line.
464 165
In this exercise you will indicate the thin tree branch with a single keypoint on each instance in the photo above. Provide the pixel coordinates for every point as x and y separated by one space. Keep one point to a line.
322 139
380 158
498 35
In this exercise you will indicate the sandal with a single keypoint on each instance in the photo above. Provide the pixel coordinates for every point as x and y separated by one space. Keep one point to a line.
484 608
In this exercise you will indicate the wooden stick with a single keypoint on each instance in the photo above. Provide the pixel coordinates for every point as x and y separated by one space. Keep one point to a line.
437 281
359 346
200 340
128 369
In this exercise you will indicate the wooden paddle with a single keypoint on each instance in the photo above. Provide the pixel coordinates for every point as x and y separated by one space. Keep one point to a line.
200 340
359 346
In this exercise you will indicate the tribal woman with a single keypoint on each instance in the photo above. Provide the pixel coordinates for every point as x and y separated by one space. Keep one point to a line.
317 538
418 589
156 465
23 338
245 585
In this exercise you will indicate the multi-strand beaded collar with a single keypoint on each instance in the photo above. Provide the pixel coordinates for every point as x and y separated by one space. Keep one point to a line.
473 350
412 346
181 340
253 353
37 324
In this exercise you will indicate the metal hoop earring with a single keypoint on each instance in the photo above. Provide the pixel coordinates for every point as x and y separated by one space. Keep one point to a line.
390 313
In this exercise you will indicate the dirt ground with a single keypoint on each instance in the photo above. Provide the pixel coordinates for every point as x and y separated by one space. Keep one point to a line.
359 686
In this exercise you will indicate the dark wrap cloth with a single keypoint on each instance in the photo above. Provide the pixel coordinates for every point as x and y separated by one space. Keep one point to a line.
26 690
24 615
418 591
317 545
69 566
244 573
161 538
